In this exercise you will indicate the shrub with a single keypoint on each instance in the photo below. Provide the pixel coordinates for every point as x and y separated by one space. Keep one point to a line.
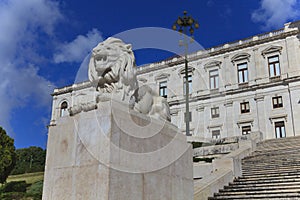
12 196
35 190
196 144
15 186
208 160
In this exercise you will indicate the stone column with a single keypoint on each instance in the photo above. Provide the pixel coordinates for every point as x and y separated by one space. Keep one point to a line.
260 115
229 118
291 56
200 121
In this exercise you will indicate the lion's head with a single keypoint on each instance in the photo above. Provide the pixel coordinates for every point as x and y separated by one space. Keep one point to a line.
112 67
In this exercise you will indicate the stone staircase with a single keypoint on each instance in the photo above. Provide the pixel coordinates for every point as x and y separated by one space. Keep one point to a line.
271 172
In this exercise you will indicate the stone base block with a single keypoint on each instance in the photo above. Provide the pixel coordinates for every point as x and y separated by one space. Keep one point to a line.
115 154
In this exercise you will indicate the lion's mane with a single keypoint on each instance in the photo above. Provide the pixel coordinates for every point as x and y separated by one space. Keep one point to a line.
116 71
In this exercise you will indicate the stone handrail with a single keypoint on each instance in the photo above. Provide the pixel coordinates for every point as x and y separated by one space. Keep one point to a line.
207 186
226 168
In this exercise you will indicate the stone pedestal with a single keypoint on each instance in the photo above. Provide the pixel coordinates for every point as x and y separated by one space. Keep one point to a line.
112 153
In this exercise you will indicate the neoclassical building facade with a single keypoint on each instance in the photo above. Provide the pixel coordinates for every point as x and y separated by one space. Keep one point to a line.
236 88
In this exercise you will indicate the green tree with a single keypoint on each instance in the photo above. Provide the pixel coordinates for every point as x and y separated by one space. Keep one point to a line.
31 159
7 155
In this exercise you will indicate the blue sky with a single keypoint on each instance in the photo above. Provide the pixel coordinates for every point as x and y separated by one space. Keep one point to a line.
44 42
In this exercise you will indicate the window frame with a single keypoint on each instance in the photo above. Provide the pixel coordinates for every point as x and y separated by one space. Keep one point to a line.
276 102
243 70
243 107
215 79
246 130
163 89
213 133
63 108
215 112
280 126
273 66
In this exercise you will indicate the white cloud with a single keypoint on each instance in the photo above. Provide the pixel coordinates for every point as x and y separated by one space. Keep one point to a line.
20 25
76 50
274 13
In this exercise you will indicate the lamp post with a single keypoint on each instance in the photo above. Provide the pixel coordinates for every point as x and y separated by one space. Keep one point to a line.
185 24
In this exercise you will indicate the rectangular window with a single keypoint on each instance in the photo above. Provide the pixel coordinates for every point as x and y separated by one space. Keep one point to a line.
245 107
274 67
215 112
246 130
214 79
243 72
216 134
163 92
280 129
277 102
190 84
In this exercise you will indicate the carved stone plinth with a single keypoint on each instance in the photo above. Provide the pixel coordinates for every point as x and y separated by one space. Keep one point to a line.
112 153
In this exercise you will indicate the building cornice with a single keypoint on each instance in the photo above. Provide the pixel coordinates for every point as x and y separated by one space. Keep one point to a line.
221 49
71 88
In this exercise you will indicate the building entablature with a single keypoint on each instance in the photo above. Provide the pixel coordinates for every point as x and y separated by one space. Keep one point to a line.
225 48
177 100
71 88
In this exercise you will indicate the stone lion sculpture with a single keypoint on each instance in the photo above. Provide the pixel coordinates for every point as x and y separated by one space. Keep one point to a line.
112 70
111 67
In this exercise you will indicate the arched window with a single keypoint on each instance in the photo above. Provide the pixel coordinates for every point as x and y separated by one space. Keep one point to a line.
63 109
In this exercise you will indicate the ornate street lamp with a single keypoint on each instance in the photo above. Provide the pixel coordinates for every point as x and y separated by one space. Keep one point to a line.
186 24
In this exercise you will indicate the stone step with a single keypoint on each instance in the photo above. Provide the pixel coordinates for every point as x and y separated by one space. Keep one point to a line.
288 144
264 159
276 149
279 140
266 184
269 176
263 181
259 196
279 146
268 171
270 157
257 189
266 166
271 164
293 157
272 154
275 144
282 192
271 172
282 144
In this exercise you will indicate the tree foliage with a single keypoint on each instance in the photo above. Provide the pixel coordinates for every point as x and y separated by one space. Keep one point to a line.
7 155
29 160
